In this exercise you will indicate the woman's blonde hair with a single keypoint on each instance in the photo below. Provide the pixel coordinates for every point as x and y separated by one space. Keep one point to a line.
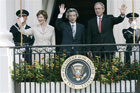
42 12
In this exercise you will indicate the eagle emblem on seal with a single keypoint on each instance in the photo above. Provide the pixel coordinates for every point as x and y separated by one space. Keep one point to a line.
78 71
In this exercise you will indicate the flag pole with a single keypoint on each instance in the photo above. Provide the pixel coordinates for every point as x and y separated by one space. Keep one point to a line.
133 20
21 42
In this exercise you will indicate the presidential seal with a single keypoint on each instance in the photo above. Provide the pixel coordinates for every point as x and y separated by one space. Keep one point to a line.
78 72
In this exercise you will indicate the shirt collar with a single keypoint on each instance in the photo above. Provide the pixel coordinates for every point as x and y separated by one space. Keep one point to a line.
72 23
101 17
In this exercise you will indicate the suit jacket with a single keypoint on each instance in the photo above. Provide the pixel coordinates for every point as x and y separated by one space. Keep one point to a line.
128 35
17 36
106 36
66 30
41 38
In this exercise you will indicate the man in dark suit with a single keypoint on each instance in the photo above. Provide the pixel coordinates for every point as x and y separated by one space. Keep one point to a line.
100 29
27 40
128 35
72 32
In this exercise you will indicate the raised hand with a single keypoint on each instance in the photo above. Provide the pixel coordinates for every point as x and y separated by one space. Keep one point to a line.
123 9
62 8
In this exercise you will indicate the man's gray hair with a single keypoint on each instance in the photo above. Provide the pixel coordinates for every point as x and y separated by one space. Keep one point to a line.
71 10
100 3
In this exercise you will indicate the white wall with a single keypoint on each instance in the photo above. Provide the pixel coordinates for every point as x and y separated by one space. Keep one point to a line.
3 16
10 10
33 6
113 7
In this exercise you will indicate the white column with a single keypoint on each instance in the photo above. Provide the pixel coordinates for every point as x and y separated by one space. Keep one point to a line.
113 7
6 62
5 53
5 36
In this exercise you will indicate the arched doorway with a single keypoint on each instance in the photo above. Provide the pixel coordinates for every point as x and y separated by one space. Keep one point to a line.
85 9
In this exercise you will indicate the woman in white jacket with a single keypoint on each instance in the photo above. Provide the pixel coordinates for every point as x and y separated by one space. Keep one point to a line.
43 33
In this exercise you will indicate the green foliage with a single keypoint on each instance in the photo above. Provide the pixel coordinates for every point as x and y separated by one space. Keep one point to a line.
107 71
39 71
115 70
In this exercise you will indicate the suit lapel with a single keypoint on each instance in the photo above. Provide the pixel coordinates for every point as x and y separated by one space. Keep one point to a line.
96 25
103 23
69 29
25 26
17 25
77 30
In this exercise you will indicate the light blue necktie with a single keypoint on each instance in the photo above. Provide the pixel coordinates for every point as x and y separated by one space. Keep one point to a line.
73 31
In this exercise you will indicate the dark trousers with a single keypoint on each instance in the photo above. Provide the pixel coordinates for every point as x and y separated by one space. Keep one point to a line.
28 55
128 53
127 56
103 54
69 51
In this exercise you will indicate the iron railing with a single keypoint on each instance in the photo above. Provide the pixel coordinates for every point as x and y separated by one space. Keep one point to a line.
37 69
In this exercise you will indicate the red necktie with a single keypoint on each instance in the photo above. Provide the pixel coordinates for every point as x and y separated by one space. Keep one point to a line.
100 19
